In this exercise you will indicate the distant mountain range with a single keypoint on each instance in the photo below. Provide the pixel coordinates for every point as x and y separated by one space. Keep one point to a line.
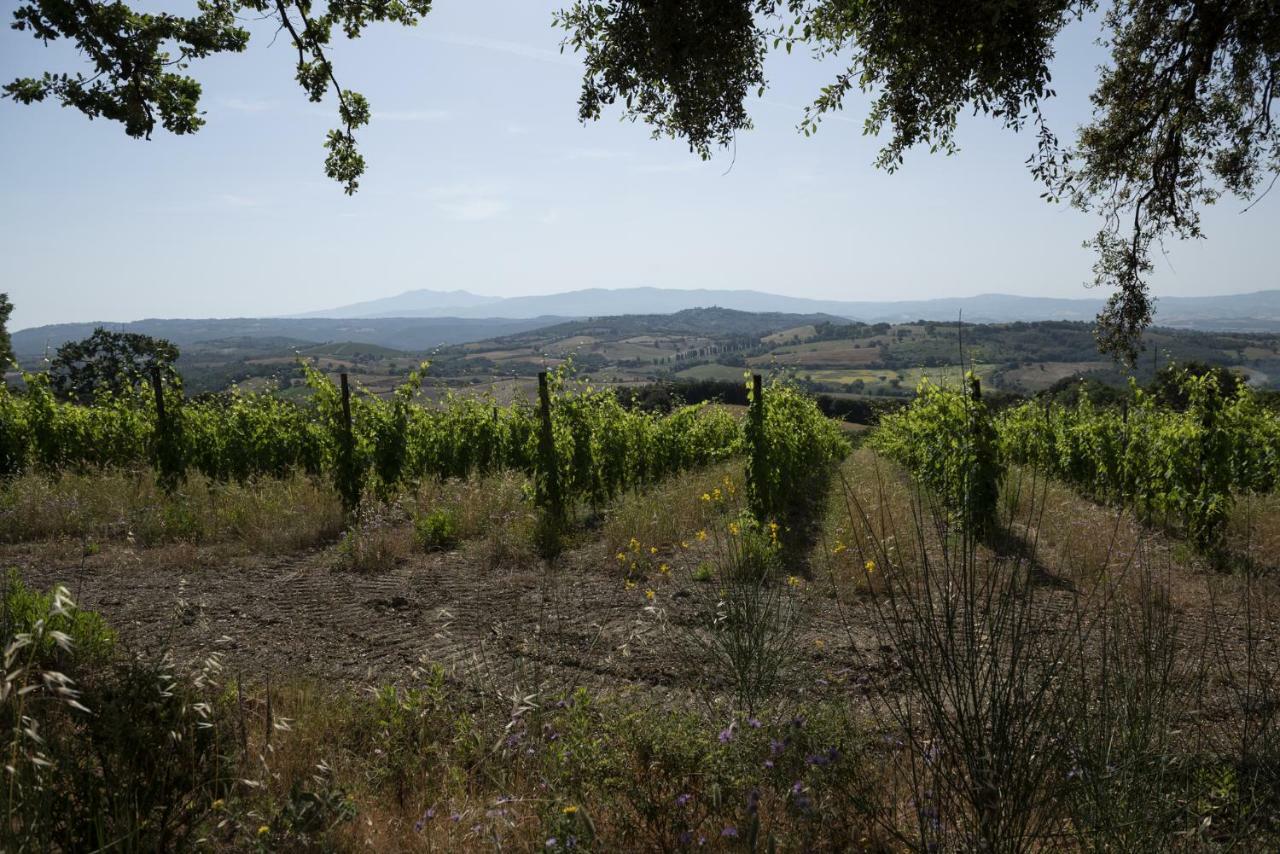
413 334
421 320
1258 312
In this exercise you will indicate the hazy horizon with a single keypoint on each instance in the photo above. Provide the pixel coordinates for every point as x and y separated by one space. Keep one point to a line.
481 179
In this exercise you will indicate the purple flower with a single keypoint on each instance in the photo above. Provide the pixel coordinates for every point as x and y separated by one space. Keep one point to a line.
686 838
551 843
754 723
683 800
730 832
726 735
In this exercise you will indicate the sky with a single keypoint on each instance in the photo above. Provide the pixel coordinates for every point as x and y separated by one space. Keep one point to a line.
481 177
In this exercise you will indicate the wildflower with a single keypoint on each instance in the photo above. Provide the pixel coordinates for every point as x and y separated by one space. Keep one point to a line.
706 496
218 804
683 800
649 594
715 494
263 830
664 569
571 809
726 734
819 643
794 581
621 557
869 566
839 547
634 545
730 832
629 585
684 544
754 723
653 550
702 535
734 529
551 843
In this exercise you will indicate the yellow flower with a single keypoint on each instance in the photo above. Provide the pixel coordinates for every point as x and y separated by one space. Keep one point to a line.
706 496
684 544
664 569
794 580
621 557
218 804
569 810
629 585
702 535
716 494
819 643
734 529
264 830
870 566
839 547
649 594
634 544
653 550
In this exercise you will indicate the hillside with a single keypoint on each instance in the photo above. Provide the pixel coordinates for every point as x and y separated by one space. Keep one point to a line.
1258 311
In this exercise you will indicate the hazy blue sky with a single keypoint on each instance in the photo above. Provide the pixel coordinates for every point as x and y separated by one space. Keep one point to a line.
480 177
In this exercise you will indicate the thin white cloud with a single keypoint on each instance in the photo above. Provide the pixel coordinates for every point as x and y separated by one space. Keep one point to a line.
469 202
525 51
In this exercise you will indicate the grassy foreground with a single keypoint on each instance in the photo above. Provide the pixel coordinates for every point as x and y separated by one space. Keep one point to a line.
879 681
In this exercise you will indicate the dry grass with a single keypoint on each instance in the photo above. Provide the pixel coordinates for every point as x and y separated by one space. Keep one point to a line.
494 514
674 510
266 516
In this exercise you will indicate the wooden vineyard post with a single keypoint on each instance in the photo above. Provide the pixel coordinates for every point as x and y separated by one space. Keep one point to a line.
168 455
158 387
348 481
758 471
547 463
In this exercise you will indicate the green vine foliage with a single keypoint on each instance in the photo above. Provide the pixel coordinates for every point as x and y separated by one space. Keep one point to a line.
947 438
792 448
601 447
1179 468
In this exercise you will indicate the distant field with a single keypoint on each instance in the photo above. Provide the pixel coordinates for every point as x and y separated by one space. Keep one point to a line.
819 354
711 372
1041 375
801 332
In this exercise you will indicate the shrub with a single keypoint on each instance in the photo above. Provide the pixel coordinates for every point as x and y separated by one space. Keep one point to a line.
437 530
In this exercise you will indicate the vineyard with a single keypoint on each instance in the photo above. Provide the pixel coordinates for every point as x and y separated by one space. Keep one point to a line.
749 633
1181 469
576 443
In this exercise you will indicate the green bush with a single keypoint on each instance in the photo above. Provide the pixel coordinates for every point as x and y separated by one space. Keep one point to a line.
437 531
102 754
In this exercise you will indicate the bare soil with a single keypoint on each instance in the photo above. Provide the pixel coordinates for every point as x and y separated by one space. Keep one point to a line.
571 624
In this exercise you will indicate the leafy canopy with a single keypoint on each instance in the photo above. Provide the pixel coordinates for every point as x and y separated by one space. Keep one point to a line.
1182 113
140 61
110 362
